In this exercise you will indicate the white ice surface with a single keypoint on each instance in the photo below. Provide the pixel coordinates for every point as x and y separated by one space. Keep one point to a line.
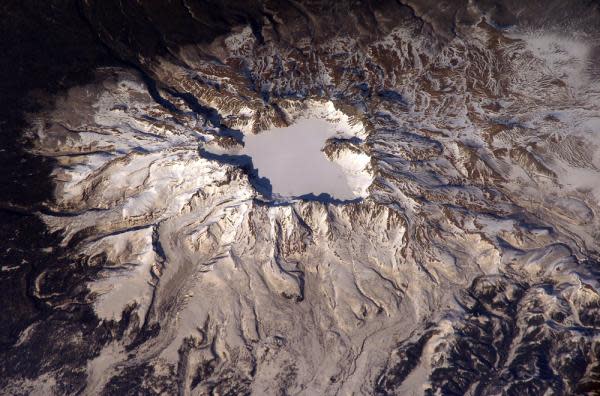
293 161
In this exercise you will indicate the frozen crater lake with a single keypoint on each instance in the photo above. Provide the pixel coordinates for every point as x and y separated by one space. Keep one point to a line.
292 159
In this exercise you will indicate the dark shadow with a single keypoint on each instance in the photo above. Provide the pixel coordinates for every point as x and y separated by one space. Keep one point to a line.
353 140
211 115
47 48
153 90
393 96
328 199
244 162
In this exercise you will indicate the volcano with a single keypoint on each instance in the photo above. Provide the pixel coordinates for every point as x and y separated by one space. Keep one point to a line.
300 197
